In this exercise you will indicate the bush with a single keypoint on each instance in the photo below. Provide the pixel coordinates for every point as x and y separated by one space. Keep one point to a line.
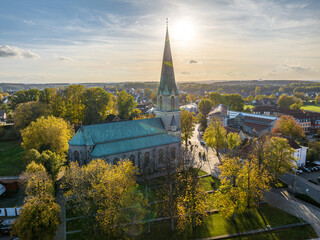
308 199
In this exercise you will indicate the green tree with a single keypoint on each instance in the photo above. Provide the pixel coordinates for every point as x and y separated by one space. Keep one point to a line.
205 106
74 106
216 98
234 101
38 219
126 105
278 157
215 135
202 120
107 195
96 105
317 99
288 127
47 95
24 96
47 134
287 101
28 112
187 126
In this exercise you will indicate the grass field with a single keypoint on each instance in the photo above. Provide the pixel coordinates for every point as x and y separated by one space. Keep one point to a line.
313 108
11 154
215 225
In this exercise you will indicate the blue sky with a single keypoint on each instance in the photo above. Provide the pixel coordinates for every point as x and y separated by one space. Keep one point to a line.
109 41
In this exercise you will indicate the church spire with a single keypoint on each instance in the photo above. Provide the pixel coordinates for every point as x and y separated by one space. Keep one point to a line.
167 82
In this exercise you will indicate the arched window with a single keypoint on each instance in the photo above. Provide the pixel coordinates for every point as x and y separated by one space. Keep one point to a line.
132 157
172 103
146 157
115 161
160 156
173 153
160 99
76 157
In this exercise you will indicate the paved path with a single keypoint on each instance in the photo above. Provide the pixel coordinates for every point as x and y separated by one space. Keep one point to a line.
61 233
284 200
212 161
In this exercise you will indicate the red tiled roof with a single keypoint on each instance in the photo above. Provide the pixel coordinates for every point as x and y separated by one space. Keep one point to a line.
255 126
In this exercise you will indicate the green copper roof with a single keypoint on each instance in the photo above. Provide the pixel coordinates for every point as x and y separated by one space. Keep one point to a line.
167 81
128 145
114 131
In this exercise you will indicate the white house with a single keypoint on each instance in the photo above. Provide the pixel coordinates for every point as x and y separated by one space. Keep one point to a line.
300 153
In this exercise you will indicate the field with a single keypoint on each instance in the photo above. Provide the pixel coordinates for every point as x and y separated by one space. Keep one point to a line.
313 108
11 154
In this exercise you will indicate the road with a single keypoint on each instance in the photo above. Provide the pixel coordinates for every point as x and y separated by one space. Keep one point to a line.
212 161
303 185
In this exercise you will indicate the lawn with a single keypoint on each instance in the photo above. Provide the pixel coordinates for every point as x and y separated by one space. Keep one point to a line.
215 225
313 108
11 154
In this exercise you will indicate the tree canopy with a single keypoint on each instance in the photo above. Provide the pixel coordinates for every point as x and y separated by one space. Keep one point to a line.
187 125
288 127
49 133
126 105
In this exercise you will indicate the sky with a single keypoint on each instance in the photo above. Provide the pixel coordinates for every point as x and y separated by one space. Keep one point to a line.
78 41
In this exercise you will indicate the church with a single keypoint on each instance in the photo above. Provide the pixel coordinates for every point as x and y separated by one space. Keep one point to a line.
148 143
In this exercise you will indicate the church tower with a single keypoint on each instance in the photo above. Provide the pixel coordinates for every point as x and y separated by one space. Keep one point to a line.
168 95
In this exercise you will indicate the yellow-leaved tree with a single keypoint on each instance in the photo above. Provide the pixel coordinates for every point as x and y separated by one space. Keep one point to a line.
107 195
49 133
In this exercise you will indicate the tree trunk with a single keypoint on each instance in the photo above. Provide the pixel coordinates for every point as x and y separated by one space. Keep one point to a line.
172 224
234 216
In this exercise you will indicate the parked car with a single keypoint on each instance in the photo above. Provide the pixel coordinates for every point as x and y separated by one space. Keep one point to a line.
202 143
5 225
306 169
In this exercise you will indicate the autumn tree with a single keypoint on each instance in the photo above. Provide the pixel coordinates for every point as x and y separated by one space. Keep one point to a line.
28 112
215 135
278 157
300 95
47 134
249 99
37 180
202 120
230 197
24 96
233 140
126 105
107 195
51 161
187 125
38 219
287 126
192 202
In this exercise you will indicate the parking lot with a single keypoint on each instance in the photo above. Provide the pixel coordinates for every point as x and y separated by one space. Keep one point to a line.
313 175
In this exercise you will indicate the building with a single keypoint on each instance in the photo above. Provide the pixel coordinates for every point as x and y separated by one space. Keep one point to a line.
221 112
3 115
300 153
309 121
192 107
148 143
253 125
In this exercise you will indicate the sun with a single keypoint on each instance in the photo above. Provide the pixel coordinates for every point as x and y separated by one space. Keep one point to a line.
183 31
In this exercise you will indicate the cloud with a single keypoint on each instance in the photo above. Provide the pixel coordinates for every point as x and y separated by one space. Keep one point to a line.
185 73
29 22
11 51
62 58
194 61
